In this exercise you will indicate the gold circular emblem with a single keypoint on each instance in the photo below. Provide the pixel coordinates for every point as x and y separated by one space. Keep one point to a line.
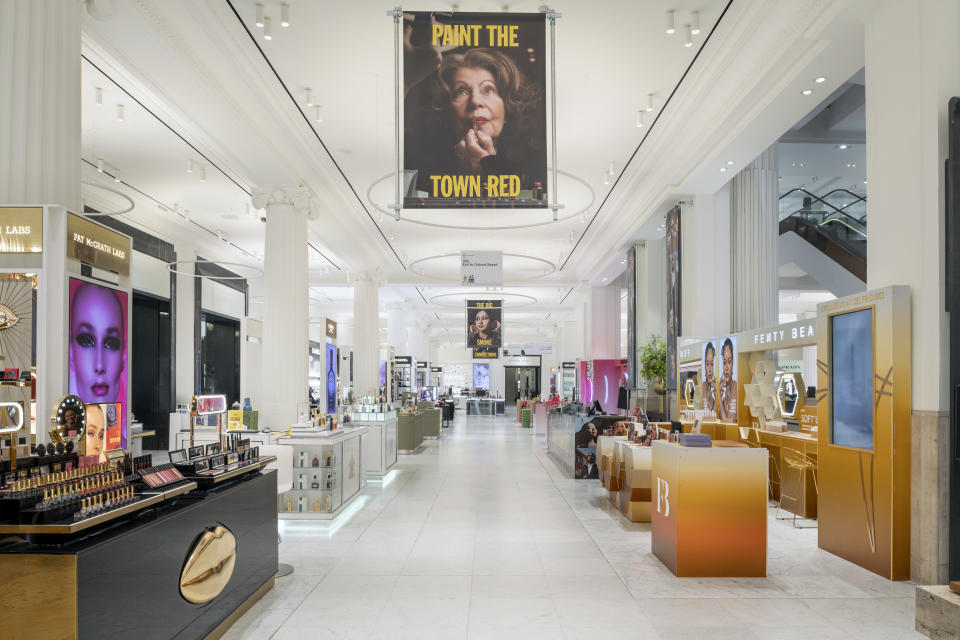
209 565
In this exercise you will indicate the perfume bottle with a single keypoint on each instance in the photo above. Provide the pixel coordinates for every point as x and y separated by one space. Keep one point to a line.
300 482
316 460
329 462
316 505
326 503
303 459
300 504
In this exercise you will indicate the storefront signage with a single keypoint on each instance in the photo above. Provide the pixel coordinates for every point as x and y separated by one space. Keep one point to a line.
21 229
475 140
486 354
407 360
568 365
793 334
421 365
481 267
484 325
97 246
807 416
790 366
331 329
521 361
436 369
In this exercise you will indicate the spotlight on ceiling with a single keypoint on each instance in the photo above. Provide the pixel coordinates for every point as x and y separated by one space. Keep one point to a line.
99 93
100 165
606 178
820 80
640 119
671 23
649 106
310 102
189 166
116 175
203 174
695 22
807 92
119 113
267 30
610 168
284 15
688 36
259 21
318 115
843 146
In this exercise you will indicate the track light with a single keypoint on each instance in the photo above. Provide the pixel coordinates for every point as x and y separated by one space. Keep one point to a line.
820 80
189 166
640 119
649 102
267 30
671 23
119 113
99 165
310 102
284 14
318 116
610 169
688 36
99 92
203 174
606 178
259 21
695 22
807 92
116 175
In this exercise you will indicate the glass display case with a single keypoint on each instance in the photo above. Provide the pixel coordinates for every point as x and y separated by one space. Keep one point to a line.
316 479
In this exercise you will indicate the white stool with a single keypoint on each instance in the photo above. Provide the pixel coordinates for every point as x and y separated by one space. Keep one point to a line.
284 467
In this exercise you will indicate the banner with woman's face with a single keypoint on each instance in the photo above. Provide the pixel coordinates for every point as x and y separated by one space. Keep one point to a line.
485 323
474 111
97 355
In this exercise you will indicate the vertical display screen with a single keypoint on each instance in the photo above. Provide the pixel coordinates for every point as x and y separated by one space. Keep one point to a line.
331 378
481 376
851 379
97 357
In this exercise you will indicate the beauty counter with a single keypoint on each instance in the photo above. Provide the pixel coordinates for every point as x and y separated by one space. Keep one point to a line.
380 443
709 509
329 472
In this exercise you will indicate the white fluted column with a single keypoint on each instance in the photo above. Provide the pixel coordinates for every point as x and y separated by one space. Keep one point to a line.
286 313
603 323
754 233
40 109
366 332
417 340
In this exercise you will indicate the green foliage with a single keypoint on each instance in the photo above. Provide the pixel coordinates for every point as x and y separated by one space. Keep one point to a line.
653 359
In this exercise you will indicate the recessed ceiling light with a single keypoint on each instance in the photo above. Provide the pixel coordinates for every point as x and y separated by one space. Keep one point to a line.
99 92
688 40
267 31
820 80
639 119
729 161
671 23
723 168
807 92
119 113
695 22
649 102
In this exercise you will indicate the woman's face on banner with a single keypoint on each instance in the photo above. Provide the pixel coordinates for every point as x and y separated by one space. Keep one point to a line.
708 366
97 343
482 322
96 431
476 102
727 363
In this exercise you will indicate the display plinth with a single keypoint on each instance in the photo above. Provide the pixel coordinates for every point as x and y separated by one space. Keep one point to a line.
328 472
709 510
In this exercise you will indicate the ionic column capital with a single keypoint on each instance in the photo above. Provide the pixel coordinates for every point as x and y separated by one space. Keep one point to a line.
374 276
297 197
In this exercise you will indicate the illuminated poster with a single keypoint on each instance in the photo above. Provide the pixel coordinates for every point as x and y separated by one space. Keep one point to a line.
727 387
474 112
484 323
708 392
852 379
331 378
481 376
673 293
97 357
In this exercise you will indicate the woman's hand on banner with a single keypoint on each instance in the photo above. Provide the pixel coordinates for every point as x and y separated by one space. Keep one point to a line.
474 147
419 60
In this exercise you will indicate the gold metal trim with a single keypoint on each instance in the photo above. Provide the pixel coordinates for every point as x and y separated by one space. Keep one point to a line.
209 565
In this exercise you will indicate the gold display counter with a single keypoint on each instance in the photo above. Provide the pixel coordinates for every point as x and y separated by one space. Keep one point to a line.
634 480
709 509
801 488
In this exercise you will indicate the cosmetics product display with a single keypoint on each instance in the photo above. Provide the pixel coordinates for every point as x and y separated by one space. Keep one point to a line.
160 476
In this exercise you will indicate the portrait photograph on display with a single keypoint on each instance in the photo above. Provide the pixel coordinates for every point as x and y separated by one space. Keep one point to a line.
851 379
103 430
97 353
727 385
484 324
481 376
475 119
708 389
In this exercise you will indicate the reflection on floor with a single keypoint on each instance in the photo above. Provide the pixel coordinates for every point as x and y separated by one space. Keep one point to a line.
480 536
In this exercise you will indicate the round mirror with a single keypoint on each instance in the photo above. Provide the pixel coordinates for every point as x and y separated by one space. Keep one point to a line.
69 418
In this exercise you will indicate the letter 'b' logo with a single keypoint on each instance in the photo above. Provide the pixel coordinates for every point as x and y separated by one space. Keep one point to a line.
663 497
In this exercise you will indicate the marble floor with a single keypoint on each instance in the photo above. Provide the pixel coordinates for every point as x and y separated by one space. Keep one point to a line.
479 535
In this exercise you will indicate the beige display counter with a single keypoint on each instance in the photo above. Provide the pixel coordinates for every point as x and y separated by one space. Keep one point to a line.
709 509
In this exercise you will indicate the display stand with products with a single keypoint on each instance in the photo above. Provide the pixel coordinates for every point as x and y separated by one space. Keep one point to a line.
380 443
329 472
409 431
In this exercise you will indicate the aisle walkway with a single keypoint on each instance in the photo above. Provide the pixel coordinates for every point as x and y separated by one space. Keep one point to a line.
480 536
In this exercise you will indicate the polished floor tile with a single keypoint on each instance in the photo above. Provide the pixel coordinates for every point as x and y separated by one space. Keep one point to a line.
479 535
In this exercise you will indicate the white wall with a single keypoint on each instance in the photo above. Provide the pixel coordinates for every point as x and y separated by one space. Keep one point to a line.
150 275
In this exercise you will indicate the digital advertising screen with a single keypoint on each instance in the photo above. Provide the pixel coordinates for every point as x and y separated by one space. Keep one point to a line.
727 402
331 378
851 379
97 355
481 376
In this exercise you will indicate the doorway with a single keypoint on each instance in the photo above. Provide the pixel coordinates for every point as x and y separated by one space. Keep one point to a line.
521 382
220 356
151 394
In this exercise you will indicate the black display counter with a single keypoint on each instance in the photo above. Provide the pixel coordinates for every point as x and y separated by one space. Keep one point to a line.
127 578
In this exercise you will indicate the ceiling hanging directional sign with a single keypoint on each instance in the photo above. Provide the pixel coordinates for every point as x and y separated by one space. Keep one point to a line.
475 132
481 267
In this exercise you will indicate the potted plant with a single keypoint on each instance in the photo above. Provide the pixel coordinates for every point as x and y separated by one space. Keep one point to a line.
653 363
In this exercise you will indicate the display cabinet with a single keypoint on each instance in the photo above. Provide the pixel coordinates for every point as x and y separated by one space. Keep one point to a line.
328 472
380 441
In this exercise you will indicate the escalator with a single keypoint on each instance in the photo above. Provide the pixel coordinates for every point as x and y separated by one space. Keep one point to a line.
834 224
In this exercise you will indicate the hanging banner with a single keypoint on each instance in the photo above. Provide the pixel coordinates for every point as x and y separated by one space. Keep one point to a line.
485 354
474 112
481 267
483 323
673 293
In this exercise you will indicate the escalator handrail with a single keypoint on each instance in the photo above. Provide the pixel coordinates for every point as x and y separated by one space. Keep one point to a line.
843 255
857 198
827 218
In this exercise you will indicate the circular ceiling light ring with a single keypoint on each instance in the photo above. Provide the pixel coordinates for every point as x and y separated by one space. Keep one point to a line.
412 265
549 221
175 266
106 214
474 295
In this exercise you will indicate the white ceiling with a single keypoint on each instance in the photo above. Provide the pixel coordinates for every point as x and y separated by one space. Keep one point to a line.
214 91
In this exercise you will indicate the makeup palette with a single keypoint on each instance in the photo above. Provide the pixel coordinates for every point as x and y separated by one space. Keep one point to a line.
160 475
